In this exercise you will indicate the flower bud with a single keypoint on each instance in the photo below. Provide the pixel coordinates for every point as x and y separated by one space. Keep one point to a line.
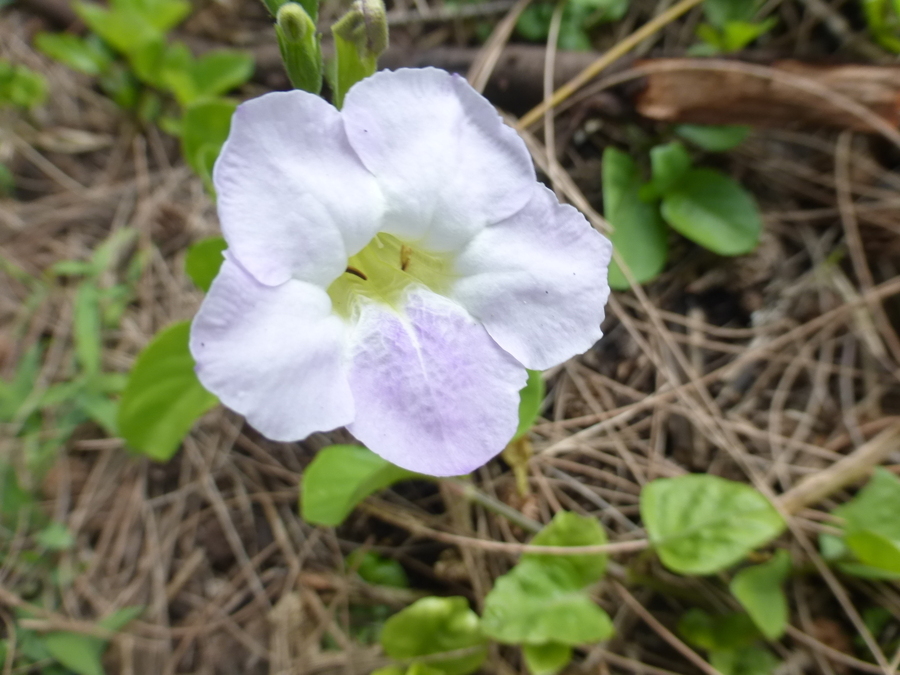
365 25
299 45
293 22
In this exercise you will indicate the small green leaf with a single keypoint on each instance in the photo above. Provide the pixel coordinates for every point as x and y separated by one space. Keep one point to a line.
639 234
712 210
163 397
20 86
722 632
203 261
721 12
339 478
121 617
758 588
125 30
669 162
434 625
219 71
700 524
378 570
875 507
570 529
86 327
713 138
85 55
55 537
875 550
203 131
14 500
546 659
736 35
751 660
79 653
530 398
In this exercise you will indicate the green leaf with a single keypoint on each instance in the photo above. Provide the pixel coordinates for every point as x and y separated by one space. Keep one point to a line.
875 550
55 537
203 261
204 129
14 500
219 71
721 632
639 234
571 529
875 507
163 397
721 12
537 604
714 138
546 659
530 398
746 661
125 30
434 625
378 570
670 162
121 617
712 210
736 35
86 327
79 653
85 55
20 86
339 478
700 524
758 588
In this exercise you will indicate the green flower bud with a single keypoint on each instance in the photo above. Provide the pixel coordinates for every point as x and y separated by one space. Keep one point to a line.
299 45
360 37
293 22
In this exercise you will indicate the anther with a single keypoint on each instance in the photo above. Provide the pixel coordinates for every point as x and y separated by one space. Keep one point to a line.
405 255
353 270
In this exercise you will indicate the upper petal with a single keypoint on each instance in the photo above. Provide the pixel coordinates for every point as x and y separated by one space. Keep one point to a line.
446 162
273 354
293 197
537 281
433 392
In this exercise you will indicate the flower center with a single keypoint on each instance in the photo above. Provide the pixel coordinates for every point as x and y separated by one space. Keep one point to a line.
383 271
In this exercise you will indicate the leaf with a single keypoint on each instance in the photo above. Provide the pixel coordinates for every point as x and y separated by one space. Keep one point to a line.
79 653
339 478
204 129
669 162
163 397
530 398
378 570
714 138
203 261
121 617
536 604
736 35
571 529
86 327
875 550
546 659
721 12
712 210
55 537
125 30
434 625
700 524
875 507
85 55
221 70
746 661
15 502
758 589
735 630
639 234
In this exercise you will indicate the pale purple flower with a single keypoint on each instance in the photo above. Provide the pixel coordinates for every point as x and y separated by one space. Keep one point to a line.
474 271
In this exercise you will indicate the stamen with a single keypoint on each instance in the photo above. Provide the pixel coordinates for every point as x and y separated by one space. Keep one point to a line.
353 270
405 255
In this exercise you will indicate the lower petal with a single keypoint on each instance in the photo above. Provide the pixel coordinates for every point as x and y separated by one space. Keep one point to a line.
433 392
273 354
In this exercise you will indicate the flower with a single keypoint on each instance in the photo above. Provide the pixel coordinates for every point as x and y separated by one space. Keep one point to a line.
392 267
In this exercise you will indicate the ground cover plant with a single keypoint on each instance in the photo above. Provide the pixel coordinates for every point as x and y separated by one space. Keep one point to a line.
712 487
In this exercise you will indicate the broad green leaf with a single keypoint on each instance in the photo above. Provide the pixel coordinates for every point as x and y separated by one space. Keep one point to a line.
546 659
571 529
530 398
85 55
758 588
713 138
219 71
875 550
669 163
203 261
434 625
79 653
86 327
712 210
537 604
753 660
875 507
378 570
122 29
721 12
163 397
736 35
700 524
20 86
339 478
101 409
721 632
56 537
639 234
203 131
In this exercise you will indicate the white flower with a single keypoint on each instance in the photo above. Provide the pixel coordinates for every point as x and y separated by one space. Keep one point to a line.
393 267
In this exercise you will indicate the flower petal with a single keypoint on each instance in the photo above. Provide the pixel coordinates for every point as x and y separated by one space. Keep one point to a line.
447 164
294 199
433 392
537 281
274 355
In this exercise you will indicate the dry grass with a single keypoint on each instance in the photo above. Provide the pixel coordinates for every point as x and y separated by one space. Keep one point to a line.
767 369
